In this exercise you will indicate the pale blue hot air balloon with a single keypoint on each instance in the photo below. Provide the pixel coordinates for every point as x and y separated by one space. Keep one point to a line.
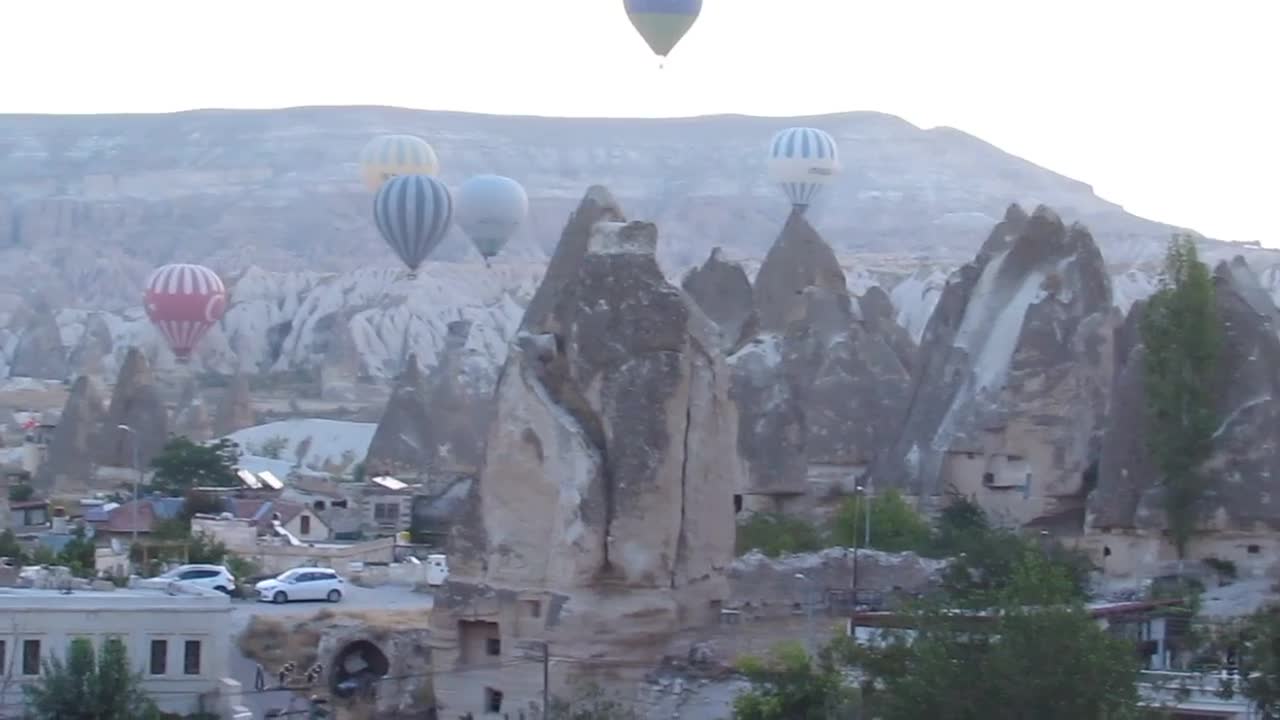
662 23
413 214
490 210
802 161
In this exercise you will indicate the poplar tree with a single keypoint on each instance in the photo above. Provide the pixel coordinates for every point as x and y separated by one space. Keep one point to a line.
1180 333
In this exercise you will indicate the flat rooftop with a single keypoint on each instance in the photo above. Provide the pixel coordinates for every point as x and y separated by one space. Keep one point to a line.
125 598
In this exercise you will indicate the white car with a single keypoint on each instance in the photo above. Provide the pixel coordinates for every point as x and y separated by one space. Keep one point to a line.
212 577
310 583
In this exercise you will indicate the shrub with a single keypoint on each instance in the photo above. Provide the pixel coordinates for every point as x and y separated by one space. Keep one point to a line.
776 534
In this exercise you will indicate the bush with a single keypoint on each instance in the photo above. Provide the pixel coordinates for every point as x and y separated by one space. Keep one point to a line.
776 534
1225 568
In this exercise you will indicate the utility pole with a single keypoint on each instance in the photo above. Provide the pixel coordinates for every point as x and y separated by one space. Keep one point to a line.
545 657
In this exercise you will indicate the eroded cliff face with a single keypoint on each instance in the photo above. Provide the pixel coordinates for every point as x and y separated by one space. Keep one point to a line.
611 462
1014 375
1241 471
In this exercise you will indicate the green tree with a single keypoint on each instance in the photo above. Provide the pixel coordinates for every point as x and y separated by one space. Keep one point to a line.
1034 652
183 464
10 548
776 534
961 523
79 555
895 525
1260 661
790 685
1180 333
89 687
21 492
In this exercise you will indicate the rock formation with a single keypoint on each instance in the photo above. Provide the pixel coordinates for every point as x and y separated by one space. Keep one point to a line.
235 408
614 425
400 444
822 386
799 259
193 422
438 425
610 467
1015 371
40 352
853 383
70 458
137 404
1245 456
724 293
460 403
91 355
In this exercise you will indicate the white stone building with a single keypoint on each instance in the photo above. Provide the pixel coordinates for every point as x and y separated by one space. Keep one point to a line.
179 642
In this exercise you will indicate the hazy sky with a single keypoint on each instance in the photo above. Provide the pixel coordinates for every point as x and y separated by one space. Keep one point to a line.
1169 107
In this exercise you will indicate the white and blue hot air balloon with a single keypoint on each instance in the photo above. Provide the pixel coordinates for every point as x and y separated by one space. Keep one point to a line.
490 210
802 161
413 214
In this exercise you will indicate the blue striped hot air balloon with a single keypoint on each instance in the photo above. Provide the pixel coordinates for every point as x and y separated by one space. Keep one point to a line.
387 156
802 161
662 23
413 214
490 210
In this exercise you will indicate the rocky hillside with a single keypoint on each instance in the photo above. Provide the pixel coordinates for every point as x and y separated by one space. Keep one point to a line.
272 200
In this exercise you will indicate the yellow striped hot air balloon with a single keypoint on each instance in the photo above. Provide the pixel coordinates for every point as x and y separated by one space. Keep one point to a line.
388 156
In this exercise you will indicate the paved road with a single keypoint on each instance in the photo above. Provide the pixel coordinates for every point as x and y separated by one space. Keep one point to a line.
356 598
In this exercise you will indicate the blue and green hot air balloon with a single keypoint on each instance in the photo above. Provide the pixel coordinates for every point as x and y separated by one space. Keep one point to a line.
662 23
413 214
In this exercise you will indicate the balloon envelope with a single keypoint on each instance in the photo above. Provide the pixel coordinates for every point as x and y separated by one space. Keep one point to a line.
183 302
662 23
387 156
413 214
490 210
803 160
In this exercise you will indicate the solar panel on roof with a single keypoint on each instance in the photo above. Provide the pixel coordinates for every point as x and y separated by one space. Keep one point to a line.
248 479
270 480
389 482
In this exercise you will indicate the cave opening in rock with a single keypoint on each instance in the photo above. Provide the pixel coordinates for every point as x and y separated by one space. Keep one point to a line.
358 666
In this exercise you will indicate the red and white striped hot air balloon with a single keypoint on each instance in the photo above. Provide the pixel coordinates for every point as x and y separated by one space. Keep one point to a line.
183 302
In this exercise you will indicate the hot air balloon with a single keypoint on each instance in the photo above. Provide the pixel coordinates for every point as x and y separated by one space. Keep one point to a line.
662 23
183 302
490 210
413 213
390 155
802 160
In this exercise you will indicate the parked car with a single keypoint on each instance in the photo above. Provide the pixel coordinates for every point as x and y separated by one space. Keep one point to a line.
308 583
212 577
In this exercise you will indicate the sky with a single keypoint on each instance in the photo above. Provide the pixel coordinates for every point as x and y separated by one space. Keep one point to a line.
1168 107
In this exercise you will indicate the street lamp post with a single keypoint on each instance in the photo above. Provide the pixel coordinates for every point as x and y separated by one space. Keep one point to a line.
853 531
808 610
137 481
